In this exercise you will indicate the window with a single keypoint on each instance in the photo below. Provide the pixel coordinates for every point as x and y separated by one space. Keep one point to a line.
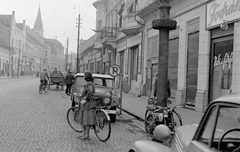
120 21
153 46
134 62
219 122
228 119
97 81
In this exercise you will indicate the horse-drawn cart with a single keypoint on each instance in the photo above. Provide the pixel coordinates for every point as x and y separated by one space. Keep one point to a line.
56 78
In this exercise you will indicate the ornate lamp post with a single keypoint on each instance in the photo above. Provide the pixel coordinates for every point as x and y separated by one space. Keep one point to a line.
164 24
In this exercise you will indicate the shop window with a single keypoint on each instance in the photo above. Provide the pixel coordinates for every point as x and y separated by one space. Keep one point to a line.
221 66
223 59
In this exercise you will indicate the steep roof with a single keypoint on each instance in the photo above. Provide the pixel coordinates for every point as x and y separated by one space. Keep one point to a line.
88 43
55 42
4 45
38 26
6 19
19 25
35 36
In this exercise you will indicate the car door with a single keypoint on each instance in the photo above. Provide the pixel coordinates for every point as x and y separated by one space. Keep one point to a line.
203 137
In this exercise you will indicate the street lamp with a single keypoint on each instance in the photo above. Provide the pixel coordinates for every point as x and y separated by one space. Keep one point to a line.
78 52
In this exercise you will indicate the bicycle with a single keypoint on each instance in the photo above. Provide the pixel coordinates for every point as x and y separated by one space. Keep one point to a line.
102 122
156 115
43 87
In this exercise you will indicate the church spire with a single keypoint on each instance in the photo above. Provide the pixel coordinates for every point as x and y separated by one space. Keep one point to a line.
38 26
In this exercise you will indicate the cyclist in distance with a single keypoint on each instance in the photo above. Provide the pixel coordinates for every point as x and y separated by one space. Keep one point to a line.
44 77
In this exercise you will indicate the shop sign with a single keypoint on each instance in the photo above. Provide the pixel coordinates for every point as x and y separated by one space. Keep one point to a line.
222 10
222 61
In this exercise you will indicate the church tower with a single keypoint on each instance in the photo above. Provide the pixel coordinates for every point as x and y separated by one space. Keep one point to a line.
38 26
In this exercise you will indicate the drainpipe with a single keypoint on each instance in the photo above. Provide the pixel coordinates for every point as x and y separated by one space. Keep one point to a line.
142 48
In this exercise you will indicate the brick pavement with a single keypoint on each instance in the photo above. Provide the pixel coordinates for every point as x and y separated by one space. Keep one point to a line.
32 122
137 106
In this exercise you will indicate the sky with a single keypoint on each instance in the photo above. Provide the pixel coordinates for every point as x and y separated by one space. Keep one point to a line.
58 17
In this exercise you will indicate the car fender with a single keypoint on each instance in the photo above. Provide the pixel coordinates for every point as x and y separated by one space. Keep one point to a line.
149 146
108 117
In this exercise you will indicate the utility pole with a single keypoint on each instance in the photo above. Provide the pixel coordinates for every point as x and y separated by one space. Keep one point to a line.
78 44
67 56
164 24
71 59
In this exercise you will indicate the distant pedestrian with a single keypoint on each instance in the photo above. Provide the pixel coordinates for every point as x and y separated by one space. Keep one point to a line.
154 87
69 81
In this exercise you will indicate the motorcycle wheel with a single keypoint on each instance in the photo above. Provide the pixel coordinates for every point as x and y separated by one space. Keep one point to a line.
150 124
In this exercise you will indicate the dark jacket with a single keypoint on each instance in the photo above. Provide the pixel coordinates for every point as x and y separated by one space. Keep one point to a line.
69 79
87 94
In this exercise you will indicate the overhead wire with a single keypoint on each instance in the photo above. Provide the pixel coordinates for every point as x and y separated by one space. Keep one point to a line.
86 11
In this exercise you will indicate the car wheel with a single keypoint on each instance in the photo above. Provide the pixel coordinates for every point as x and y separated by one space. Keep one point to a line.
113 116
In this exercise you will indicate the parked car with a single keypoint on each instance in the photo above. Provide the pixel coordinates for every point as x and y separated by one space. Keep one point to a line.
105 96
218 131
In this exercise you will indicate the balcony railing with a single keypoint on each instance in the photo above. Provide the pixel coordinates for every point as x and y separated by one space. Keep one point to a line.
107 32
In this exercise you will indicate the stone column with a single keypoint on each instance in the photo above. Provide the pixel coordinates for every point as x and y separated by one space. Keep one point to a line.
164 24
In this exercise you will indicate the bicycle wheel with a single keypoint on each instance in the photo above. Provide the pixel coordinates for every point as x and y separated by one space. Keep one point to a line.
72 119
40 89
176 120
102 127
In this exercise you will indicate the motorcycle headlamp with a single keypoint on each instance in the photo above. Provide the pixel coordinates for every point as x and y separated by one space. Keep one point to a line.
106 100
165 113
160 117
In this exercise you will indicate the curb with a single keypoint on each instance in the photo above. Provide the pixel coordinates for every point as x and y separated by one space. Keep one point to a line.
137 117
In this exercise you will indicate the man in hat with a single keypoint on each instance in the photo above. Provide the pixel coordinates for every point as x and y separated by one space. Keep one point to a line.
69 81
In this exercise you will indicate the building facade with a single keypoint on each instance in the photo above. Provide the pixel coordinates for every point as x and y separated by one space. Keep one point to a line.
203 49
38 54
14 35
57 59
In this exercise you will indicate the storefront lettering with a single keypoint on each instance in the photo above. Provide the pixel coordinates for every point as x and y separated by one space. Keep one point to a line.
215 15
221 10
227 59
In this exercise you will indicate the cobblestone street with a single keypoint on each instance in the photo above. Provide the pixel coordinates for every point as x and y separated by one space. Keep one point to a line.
33 122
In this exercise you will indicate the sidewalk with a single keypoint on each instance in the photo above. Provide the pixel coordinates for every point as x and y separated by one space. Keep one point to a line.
136 106
15 77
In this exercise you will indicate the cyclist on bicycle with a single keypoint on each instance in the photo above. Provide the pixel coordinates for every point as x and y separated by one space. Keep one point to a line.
44 77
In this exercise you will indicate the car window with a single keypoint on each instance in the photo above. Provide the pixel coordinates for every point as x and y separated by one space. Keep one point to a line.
228 118
206 131
97 81
79 81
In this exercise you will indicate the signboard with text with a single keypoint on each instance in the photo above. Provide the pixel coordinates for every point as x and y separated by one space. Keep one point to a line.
219 11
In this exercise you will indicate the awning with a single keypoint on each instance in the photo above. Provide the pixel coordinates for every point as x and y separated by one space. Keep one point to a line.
128 3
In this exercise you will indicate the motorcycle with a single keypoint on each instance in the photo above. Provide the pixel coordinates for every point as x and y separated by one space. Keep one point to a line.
156 115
